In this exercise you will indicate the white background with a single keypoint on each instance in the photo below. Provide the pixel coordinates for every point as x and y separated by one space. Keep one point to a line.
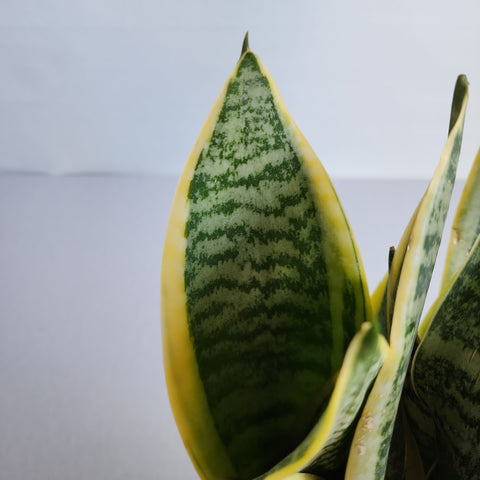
125 85
82 389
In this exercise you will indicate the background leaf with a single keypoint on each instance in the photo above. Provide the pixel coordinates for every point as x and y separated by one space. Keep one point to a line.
446 373
446 367
369 452
466 225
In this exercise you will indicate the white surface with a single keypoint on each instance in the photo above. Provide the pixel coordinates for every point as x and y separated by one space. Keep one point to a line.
125 86
82 392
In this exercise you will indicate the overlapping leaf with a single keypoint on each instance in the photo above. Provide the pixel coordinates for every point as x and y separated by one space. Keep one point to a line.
269 345
325 449
446 367
466 225
370 447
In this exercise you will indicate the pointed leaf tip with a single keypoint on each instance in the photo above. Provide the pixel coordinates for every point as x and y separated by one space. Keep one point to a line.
245 46
461 90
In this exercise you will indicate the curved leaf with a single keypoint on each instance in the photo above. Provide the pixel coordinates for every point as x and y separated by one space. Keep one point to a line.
379 306
324 449
446 371
446 366
465 229
262 284
370 447
466 225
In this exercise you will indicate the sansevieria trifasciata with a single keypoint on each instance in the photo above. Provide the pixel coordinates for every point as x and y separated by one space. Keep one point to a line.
276 362
263 290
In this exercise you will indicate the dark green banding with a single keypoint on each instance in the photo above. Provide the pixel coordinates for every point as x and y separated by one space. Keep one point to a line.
358 372
258 279
446 372
406 297
466 225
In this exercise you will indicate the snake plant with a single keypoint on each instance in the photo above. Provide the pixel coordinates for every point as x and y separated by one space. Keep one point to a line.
279 364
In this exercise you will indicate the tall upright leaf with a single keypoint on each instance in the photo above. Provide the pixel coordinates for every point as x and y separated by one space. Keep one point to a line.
446 366
262 284
466 225
370 447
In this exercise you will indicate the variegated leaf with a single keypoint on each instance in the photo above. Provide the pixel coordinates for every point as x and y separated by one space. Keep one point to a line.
466 225
446 366
370 447
422 425
325 449
262 284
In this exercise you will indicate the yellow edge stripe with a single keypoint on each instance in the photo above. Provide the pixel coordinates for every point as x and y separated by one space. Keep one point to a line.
186 392
408 278
457 243
377 296
187 396
327 421
340 236
360 467
358 459
432 313
303 476
449 274
397 264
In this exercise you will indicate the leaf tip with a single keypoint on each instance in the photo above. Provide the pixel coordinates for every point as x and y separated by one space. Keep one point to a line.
245 46
460 92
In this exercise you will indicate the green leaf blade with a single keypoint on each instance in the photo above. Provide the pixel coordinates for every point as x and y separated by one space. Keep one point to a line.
262 284
446 372
466 225
369 453
325 448
256 280
422 424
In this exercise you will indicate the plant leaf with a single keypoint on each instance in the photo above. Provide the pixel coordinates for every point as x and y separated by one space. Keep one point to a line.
370 447
413 460
324 449
404 460
465 229
422 425
466 225
379 306
262 284
446 366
